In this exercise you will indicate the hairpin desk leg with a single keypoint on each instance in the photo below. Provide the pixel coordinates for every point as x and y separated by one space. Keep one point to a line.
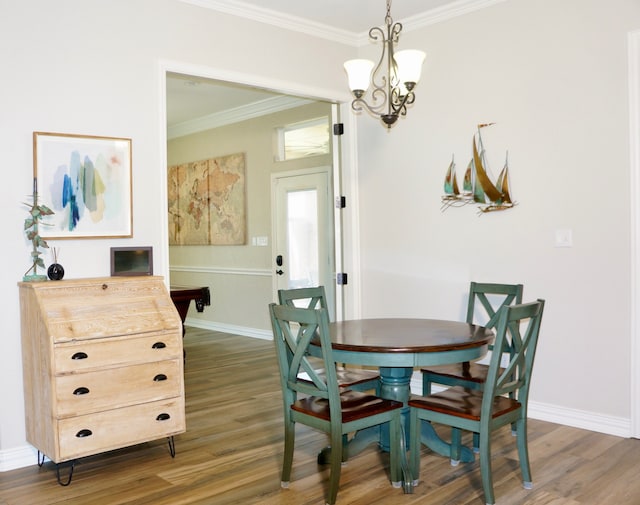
72 467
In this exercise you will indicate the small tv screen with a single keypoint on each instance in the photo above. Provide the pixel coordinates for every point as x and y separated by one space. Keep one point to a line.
131 261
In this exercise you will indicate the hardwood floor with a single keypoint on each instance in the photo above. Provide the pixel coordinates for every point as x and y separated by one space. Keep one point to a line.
232 453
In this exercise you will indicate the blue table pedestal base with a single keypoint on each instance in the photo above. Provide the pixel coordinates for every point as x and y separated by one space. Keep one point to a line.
396 385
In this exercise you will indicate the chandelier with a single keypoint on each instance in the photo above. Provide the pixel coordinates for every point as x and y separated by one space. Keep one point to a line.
393 91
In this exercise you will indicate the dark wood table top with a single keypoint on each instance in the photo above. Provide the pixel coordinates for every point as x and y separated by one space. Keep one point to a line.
407 335
408 342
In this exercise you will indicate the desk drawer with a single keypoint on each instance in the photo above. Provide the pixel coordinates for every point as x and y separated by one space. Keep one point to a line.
85 355
111 388
104 431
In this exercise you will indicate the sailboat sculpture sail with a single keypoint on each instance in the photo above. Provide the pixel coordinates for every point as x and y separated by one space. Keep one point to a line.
477 186
452 195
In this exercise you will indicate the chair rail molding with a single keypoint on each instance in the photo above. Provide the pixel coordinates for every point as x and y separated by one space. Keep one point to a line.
201 269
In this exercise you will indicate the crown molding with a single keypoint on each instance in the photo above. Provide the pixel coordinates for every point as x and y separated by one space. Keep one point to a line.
279 19
437 15
235 115
302 25
449 11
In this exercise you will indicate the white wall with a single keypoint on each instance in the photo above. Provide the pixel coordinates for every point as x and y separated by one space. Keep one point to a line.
553 76
95 68
551 73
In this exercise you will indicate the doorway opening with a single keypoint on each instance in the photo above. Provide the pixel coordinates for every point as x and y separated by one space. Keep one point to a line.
251 274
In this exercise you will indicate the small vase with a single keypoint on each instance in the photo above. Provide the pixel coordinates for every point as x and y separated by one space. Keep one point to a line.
55 272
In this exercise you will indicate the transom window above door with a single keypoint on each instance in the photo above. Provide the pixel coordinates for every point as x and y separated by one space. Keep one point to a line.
303 139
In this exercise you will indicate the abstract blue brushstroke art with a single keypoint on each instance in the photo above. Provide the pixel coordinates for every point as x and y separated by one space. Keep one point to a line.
87 182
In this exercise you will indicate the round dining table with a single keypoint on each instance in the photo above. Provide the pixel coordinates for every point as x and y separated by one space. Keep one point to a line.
396 346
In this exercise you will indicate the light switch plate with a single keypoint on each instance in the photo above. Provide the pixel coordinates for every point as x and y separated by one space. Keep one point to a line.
564 238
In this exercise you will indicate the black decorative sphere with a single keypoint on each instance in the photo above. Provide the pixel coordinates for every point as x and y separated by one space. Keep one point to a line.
55 272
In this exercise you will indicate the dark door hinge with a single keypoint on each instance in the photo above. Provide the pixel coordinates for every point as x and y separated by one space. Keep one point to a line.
338 129
341 279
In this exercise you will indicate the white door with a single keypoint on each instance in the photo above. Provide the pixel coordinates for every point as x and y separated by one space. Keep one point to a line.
303 236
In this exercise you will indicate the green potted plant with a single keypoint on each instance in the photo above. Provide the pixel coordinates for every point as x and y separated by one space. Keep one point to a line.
31 227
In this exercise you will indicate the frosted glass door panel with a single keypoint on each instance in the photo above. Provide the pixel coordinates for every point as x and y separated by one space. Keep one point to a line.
302 227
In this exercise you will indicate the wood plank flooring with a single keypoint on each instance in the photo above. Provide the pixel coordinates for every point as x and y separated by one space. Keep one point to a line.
232 453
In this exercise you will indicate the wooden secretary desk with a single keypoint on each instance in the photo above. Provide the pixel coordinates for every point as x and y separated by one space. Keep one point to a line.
102 366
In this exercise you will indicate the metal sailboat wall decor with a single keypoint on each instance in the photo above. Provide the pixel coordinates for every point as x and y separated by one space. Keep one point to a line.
477 187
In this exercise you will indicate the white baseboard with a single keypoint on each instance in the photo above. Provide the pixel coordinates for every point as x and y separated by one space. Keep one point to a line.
18 457
229 328
592 421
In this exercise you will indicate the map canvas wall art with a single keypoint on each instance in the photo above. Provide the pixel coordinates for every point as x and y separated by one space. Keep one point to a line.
206 201
86 181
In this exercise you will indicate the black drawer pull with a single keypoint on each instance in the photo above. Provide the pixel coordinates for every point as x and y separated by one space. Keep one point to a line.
159 345
160 377
81 391
163 417
105 286
80 355
84 433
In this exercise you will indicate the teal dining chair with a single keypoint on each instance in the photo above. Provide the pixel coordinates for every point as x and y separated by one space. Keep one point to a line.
489 298
502 401
315 298
319 402
485 301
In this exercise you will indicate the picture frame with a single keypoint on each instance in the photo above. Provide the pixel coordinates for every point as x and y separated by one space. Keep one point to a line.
86 181
130 261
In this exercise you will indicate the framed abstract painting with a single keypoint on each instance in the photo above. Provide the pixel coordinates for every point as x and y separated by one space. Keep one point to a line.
86 181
